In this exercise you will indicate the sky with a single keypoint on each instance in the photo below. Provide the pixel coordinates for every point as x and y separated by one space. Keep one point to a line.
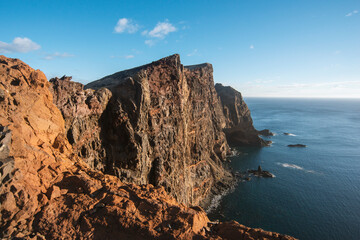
263 48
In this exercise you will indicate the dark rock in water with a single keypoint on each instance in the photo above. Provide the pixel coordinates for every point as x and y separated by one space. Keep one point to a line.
297 145
239 127
266 132
260 173
238 136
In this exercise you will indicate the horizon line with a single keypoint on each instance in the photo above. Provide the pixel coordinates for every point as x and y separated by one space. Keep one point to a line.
304 97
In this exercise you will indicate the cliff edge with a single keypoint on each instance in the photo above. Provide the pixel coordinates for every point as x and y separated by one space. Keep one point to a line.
239 128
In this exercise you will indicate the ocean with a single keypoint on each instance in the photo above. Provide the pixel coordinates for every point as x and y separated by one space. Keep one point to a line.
316 191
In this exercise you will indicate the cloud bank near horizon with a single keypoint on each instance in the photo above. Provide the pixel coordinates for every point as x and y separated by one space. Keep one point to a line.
269 88
19 45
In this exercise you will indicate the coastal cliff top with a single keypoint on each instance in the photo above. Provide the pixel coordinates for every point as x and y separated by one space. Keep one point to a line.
118 77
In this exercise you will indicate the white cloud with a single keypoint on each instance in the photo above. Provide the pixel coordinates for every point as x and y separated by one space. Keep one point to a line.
161 30
334 89
19 44
126 25
262 81
251 46
58 55
123 56
352 13
193 53
150 42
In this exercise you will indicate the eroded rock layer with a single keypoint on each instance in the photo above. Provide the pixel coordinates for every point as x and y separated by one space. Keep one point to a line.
47 192
163 125
239 128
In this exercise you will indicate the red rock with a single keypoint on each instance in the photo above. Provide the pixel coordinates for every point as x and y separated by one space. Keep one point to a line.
54 192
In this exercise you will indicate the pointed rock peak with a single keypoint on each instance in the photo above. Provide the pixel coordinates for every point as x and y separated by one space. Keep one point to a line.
172 60
63 78
198 66
230 90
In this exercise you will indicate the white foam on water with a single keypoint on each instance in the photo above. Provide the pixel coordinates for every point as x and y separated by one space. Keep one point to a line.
293 166
215 201
234 153
296 167
290 134
288 165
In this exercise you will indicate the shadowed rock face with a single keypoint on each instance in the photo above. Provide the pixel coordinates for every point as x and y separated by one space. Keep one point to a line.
239 128
82 110
237 113
49 193
163 125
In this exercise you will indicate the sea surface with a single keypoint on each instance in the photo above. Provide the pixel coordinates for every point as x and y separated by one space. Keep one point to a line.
316 191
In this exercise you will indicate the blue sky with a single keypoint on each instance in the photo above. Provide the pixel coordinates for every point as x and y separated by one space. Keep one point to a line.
272 48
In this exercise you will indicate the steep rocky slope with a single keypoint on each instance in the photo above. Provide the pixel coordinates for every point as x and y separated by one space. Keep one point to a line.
163 125
47 192
239 128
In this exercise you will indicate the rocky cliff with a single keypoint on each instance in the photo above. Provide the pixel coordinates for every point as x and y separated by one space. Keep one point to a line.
48 192
163 125
239 128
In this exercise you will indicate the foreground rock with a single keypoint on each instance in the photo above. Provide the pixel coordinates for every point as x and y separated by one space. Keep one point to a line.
297 145
234 230
51 193
239 127
260 173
